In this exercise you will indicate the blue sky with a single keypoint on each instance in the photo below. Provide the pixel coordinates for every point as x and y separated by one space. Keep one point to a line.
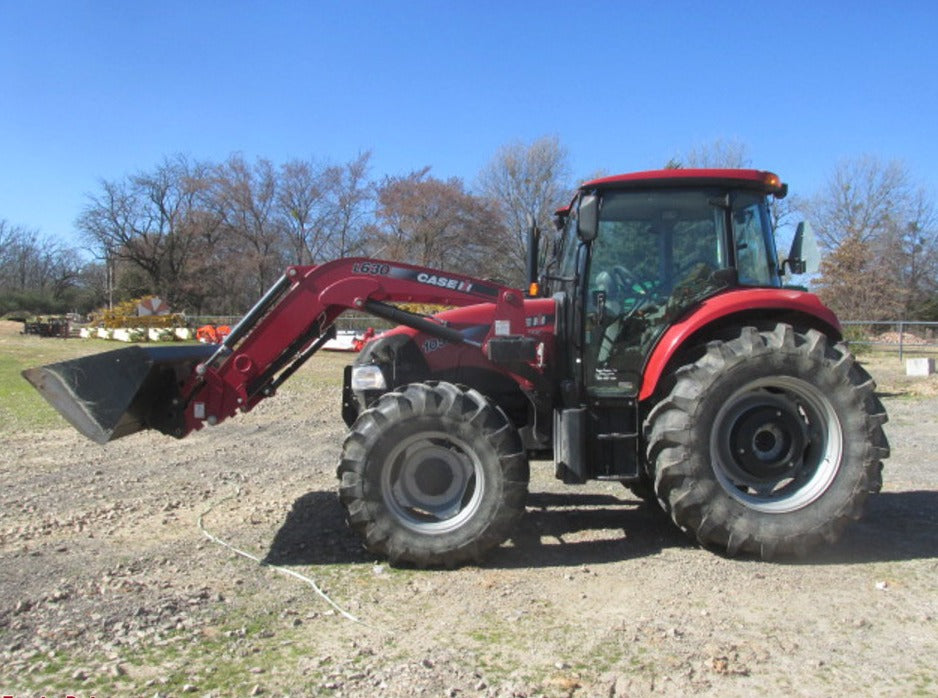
93 90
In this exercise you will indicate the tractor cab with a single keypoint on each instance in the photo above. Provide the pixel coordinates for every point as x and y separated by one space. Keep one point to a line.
636 254
639 251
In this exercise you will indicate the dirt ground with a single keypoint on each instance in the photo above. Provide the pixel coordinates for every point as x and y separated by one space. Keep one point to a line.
108 585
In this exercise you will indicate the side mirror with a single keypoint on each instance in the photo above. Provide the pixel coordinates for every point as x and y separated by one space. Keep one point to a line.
588 218
804 256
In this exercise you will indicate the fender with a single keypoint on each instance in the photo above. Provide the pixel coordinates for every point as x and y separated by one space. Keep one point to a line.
724 305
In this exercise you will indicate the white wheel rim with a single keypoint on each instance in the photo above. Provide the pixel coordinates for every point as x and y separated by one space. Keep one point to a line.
776 444
432 482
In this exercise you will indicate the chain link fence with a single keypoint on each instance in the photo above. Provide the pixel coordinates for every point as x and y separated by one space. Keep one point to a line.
904 338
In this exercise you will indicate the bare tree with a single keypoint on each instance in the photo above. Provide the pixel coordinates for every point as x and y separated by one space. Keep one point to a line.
909 250
324 207
17 250
861 199
8 235
305 209
879 230
149 220
717 153
528 182
214 236
436 223
35 269
353 195
245 198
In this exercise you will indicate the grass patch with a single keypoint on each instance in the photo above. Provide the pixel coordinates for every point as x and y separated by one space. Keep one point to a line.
890 376
23 409
242 648
225 660
324 370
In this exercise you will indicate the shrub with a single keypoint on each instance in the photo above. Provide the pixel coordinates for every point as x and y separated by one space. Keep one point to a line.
125 315
857 338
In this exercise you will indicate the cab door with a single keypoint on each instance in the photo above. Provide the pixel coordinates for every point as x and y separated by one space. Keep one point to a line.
655 256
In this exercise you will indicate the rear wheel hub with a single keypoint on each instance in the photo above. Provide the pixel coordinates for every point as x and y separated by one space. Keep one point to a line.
776 444
767 438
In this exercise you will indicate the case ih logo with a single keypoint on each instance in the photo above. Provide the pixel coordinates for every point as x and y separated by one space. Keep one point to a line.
444 282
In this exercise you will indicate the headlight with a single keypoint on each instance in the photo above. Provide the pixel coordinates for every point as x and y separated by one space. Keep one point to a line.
367 377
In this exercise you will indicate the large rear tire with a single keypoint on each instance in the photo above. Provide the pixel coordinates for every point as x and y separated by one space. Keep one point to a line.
433 475
643 488
769 444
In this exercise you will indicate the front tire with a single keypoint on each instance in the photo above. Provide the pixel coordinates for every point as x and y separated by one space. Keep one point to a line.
768 444
433 475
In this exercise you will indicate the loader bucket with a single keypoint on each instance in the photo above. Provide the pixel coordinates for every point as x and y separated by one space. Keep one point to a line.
109 395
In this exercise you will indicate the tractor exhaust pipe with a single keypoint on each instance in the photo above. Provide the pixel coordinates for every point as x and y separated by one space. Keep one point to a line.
109 395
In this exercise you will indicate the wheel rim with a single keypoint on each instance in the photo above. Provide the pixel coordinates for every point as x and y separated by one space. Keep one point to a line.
776 444
432 482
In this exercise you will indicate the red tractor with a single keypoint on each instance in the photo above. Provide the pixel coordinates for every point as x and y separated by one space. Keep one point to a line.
657 348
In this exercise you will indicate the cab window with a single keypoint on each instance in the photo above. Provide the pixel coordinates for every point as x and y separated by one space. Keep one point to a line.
756 258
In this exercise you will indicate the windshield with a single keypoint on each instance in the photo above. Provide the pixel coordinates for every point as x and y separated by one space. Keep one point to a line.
657 254
657 238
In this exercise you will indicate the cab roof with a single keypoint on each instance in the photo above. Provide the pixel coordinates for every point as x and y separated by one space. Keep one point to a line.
755 179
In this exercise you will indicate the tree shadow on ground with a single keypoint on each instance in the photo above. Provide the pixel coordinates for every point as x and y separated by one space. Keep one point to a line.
560 529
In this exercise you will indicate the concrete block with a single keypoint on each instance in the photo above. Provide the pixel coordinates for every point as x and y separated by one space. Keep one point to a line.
919 367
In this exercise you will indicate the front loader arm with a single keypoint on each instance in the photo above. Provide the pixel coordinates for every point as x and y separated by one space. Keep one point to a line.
178 389
295 318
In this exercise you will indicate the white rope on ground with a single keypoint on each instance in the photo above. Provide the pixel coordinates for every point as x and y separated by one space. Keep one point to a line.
283 570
